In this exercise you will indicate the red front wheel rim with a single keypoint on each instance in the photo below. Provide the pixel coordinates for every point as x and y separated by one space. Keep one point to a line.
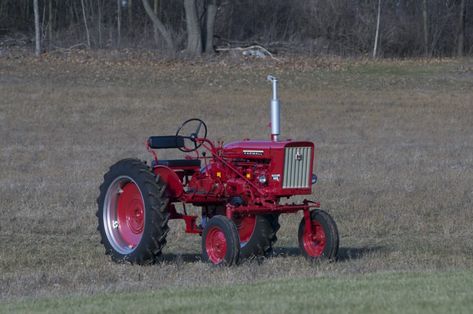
314 243
216 245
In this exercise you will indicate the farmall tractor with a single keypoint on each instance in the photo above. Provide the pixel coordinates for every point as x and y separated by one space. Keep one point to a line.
241 187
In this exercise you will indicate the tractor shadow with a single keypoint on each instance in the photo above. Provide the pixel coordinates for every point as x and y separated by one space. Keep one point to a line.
344 253
181 258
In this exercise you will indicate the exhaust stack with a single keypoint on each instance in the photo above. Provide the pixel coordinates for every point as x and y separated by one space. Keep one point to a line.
275 116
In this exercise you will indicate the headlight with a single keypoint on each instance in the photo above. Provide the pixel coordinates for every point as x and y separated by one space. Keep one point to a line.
314 179
262 179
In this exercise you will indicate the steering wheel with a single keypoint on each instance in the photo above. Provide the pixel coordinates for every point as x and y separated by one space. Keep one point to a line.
196 128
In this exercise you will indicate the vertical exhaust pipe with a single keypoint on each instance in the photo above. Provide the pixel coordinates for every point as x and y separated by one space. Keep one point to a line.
275 116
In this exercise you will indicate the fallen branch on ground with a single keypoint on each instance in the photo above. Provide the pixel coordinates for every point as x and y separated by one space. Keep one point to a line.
255 50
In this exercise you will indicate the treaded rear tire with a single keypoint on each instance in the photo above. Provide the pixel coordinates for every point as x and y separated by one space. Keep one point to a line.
156 216
262 239
274 222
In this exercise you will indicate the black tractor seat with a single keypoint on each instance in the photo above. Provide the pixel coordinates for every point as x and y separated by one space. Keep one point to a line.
167 141
171 141
178 163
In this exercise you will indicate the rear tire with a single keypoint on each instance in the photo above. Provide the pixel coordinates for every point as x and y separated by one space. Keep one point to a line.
274 222
257 235
324 244
220 242
132 213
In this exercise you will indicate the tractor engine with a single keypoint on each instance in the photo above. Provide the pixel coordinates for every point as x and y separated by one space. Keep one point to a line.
278 169
256 171
261 171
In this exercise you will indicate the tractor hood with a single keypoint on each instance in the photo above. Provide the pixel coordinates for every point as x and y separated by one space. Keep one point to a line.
259 149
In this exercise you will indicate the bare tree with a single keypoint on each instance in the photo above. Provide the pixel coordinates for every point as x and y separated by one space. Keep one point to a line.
99 22
159 25
155 29
50 24
37 28
194 34
209 33
119 22
425 17
130 14
461 30
87 34
375 48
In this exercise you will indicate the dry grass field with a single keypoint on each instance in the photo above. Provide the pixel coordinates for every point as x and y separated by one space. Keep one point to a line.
394 160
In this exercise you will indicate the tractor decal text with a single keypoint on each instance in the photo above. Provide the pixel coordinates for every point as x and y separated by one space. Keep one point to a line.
253 152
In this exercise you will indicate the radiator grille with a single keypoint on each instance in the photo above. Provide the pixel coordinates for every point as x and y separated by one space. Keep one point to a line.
297 167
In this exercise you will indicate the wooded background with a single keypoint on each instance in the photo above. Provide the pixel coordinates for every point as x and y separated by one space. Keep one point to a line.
407 28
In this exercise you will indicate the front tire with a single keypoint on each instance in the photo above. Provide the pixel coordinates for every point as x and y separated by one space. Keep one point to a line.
220 242
323 244
132 213
257 233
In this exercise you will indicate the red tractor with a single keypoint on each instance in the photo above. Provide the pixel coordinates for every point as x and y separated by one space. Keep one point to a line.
240 188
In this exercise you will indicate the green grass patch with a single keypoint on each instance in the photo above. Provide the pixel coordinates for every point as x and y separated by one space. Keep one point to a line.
446 292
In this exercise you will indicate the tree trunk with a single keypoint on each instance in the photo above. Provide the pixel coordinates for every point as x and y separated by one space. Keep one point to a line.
378 20
36 28
43 21
155 29
211 13
426 28
194 35
159 25
87 34
50 24
26 15
99 22
130 15
119 23
461 30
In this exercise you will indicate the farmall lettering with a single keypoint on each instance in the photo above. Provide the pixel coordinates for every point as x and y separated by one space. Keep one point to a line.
253 152
239 190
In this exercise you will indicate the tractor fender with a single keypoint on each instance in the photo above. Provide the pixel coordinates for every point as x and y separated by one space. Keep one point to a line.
173 183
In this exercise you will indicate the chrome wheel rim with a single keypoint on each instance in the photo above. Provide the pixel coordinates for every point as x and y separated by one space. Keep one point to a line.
124 215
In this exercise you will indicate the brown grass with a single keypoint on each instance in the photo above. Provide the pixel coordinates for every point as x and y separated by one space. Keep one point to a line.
395 162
